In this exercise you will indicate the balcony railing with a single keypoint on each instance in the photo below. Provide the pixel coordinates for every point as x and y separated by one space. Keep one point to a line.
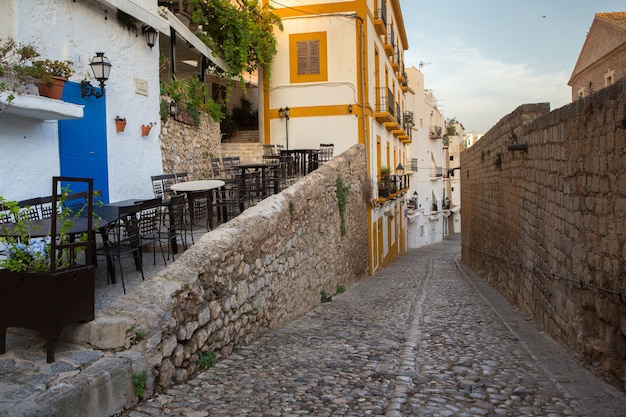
435 132
436 172
382 11
380 18
398 115
386 102
391 185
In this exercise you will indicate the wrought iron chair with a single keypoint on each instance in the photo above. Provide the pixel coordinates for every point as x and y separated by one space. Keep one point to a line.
199 212
149 225
325 152
181 177
121 239
230 199
170 229
161 185
30 209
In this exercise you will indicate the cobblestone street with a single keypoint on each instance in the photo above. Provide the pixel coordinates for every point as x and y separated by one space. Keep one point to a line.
423 337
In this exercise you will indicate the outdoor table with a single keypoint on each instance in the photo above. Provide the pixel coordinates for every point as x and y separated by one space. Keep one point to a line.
199 185
306 159
256 167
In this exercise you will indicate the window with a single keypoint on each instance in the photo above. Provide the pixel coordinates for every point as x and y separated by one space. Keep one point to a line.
308 57
452 157
609 78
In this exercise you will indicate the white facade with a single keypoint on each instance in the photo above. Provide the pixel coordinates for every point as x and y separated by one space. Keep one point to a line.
426 156
74 32
452 155
354 96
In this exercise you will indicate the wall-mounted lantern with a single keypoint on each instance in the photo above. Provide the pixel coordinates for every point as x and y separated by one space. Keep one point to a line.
150 34
101 67
284 114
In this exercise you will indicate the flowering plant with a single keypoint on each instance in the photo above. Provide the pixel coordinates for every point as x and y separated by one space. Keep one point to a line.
22 252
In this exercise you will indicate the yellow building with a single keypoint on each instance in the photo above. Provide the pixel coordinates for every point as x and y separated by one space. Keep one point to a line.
340 71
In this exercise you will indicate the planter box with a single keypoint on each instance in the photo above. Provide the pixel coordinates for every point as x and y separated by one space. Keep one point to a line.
46 302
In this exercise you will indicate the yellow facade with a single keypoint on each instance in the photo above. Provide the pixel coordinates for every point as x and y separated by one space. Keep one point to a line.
340 70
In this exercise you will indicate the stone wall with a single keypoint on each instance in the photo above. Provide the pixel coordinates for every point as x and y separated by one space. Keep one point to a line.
249 275
547 227
186 148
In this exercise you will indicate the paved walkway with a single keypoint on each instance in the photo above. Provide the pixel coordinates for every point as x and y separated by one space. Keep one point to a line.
424 337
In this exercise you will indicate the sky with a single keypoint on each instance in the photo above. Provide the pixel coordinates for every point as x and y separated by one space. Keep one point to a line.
484 58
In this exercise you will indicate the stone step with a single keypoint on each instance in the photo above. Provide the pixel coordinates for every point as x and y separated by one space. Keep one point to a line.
248 152
244 136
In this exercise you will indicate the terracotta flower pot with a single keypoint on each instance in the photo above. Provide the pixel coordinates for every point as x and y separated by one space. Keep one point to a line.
55 91
145 130
120 125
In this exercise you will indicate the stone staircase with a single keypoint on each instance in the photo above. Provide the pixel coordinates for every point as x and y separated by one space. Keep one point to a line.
245 145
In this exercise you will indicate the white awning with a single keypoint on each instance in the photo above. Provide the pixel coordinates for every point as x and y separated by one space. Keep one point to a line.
162 19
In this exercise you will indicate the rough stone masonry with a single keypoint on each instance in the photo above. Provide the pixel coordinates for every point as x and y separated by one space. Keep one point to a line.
547 226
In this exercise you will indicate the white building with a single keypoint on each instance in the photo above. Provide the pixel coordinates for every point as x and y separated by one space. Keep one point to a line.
426 156
77 136
340 70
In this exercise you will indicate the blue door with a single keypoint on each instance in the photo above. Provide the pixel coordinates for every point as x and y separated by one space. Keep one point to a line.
83 142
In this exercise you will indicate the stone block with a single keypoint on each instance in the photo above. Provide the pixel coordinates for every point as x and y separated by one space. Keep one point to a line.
108 332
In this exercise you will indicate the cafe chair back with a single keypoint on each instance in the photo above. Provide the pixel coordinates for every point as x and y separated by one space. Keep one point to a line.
120 239
161 185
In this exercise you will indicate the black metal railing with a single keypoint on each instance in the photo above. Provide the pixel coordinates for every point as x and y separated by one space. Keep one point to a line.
386 103
381 11
391 185
398 114
436 172
391 37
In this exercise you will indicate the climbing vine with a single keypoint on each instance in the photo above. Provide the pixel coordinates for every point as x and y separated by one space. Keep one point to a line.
240 33
342 199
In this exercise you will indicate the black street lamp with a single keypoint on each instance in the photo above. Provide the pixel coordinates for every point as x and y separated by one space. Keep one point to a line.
284 114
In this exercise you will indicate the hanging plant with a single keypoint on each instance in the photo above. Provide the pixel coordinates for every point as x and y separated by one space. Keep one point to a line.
127 21
192 98
241 34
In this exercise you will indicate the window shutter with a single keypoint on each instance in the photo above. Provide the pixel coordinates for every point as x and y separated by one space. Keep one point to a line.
308 57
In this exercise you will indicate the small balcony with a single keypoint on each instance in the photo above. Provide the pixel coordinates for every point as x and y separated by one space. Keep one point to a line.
380 17
391 186
385 108
390 42
435 132
436 173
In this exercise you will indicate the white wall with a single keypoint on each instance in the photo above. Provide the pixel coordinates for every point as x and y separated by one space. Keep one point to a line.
75 31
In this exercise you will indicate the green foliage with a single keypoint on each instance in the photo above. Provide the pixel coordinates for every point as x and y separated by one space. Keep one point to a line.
164 110
45 69
206 360
341 289
135 336
127 21
192 96
26 255
241 34
16 68
139 383
342 199
244 117
325 298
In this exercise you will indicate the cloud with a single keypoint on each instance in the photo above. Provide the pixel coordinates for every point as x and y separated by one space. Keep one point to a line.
479 90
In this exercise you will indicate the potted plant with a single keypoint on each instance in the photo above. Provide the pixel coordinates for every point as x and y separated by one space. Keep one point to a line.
48 282
52 77
145 129
16 70
120 123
